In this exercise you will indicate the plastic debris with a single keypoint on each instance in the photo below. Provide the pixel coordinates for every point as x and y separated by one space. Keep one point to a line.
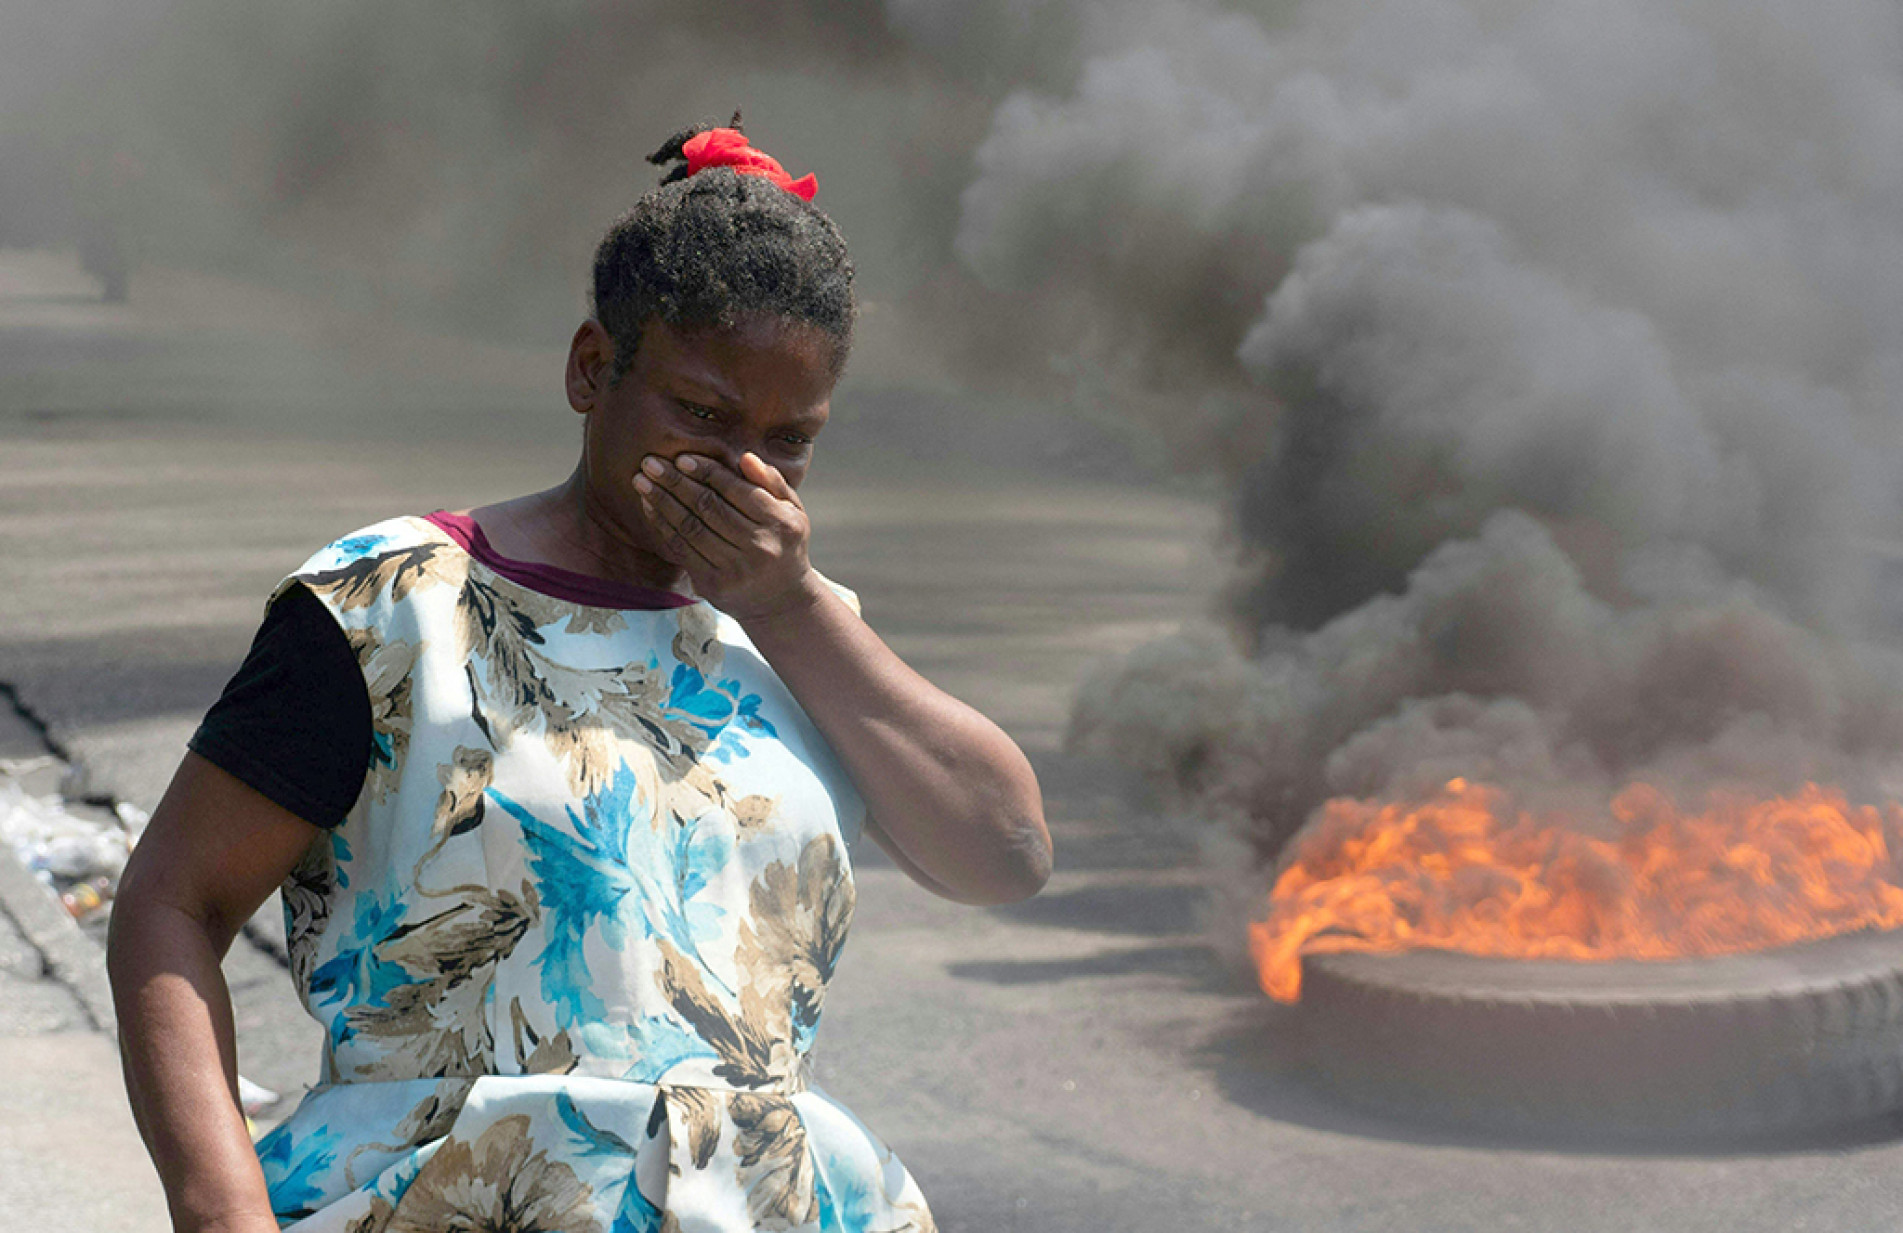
131 817
84 899
77 857
255 1098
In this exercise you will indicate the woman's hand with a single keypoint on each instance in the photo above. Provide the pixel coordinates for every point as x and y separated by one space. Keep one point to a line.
951 797
741 536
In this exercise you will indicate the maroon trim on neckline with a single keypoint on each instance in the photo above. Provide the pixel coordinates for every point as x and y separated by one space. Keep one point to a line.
550 580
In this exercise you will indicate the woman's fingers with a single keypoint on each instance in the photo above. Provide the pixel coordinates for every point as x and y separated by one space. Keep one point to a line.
705 503
738 541
762 474
685 535
753 499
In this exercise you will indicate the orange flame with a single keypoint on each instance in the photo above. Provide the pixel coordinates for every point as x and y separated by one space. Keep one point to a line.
1462 872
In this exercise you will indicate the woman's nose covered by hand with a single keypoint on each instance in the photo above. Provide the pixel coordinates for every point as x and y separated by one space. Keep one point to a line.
740 535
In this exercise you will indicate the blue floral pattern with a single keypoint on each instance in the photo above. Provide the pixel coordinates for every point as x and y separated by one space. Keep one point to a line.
570 948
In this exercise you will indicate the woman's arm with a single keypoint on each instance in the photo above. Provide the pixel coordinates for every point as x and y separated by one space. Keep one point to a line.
214 851
952 798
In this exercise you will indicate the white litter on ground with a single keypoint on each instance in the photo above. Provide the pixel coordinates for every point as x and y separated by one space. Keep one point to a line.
56 844
78 855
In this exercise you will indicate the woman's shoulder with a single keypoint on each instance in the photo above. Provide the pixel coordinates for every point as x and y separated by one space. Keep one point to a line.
391 557
400 534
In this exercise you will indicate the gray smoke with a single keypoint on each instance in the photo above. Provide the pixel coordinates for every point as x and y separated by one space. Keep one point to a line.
461 160
1559 353
458 162
1553 352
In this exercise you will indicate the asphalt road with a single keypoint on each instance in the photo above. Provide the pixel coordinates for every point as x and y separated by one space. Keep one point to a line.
1080 1062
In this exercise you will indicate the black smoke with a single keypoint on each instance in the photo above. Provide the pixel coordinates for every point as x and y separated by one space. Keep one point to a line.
1557 364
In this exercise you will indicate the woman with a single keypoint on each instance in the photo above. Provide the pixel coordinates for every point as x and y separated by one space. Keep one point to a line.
559 792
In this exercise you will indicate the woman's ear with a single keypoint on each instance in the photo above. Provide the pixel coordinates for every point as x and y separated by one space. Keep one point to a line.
590 368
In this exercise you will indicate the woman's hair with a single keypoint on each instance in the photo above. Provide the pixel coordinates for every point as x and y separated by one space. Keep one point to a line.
706 250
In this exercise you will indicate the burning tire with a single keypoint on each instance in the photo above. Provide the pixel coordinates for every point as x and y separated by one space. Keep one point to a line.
1736 1047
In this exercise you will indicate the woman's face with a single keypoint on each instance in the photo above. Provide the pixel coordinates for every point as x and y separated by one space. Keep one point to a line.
763 386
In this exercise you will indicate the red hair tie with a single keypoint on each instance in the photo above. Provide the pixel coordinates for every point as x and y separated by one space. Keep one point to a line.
727 147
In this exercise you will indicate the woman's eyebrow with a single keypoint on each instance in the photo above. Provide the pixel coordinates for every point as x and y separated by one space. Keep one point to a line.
705 396
703 387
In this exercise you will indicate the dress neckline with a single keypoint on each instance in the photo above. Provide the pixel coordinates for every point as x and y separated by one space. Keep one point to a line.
550 580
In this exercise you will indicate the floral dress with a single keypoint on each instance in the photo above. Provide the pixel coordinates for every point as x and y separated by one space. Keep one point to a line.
569 947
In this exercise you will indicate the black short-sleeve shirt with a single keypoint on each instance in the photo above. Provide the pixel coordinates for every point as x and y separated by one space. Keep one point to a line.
294 722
